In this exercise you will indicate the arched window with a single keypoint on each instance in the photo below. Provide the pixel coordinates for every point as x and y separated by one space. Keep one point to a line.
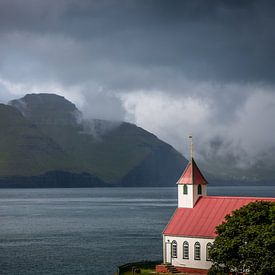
185 250
208 247
197 251
174 249
199 189
185 190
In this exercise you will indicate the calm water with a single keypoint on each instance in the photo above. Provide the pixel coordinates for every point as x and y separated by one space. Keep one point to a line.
87 231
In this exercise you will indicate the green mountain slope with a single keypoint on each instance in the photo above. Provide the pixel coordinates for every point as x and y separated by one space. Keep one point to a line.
25 149
116 153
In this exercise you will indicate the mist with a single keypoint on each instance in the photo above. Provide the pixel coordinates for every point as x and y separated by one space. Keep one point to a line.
187 67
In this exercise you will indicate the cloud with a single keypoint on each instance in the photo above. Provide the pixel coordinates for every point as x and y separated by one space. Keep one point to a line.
172 119
174 68
103 105
78 41
242 135
8 90
254 126
93 101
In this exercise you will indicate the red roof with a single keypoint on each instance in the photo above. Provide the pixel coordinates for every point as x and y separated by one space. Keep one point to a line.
192 175
209 212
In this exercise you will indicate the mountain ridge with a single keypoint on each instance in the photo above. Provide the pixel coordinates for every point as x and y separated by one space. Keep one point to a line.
103 153
46 142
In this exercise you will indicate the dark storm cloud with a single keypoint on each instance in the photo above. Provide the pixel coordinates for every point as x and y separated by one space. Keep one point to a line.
173 67
220 40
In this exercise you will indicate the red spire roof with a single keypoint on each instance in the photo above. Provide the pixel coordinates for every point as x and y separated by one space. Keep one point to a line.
192 175
209 212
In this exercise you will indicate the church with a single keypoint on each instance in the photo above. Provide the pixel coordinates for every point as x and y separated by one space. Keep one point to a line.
190 232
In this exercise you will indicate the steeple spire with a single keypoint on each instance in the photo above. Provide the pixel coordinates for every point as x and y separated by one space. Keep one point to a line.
192 174
191 147
191 184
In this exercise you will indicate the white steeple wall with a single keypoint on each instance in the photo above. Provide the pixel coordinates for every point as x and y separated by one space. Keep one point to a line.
189 200
185 200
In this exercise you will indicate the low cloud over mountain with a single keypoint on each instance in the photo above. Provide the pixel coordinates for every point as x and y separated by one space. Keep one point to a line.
172 67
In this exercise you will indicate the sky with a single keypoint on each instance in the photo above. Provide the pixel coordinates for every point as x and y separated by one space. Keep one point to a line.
175 68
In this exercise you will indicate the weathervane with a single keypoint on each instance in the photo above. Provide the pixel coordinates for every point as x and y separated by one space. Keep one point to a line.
191 147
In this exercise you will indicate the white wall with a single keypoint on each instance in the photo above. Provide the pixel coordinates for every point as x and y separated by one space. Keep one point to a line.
195 192
188 200
185 200
191 262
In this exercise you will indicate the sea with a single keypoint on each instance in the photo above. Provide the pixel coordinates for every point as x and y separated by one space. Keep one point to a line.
88 230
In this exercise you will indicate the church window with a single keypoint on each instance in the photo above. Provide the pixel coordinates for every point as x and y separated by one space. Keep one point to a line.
208 247
185 190
197 251
185 250
174 249
199 189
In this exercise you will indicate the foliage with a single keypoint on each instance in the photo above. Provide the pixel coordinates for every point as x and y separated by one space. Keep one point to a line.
246 241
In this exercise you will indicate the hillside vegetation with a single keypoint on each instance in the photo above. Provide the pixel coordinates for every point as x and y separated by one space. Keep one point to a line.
45 134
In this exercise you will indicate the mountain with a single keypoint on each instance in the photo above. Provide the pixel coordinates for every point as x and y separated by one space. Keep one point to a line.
25 149
257 175
45 142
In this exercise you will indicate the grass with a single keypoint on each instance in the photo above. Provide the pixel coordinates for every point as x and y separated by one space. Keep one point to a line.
143 272
147 272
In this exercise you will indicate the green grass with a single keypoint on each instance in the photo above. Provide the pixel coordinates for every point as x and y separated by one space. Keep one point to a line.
29 149
111 157
143 272
146 272
25 150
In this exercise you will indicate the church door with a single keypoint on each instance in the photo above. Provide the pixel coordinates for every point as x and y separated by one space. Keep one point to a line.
168 253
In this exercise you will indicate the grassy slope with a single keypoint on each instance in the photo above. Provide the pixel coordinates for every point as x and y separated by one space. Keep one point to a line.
25 150
111 156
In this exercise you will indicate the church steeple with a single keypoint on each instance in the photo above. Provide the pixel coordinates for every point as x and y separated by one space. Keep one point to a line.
191 184
191 147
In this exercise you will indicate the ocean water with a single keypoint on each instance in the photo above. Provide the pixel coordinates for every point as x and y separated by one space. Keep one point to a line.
88 231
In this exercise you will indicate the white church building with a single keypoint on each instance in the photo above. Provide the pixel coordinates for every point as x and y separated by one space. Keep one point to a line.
191 230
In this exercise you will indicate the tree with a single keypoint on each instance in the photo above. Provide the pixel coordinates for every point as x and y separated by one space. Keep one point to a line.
246 241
